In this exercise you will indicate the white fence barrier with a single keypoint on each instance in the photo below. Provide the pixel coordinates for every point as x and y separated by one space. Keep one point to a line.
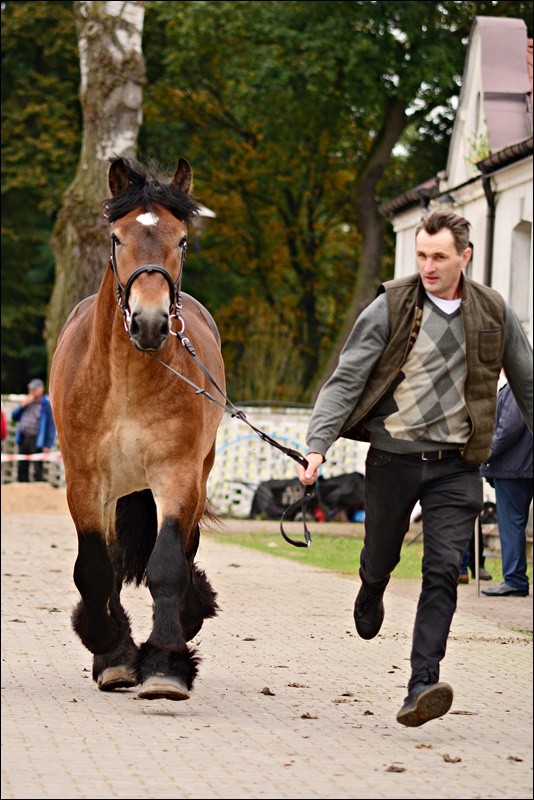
243 460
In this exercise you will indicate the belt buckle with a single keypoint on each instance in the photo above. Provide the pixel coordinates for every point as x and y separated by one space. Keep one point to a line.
424 458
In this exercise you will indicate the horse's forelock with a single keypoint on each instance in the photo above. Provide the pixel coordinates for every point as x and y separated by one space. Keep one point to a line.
152 192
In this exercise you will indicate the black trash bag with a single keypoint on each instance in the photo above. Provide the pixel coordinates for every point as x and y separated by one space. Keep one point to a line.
340 497
337 497
271 498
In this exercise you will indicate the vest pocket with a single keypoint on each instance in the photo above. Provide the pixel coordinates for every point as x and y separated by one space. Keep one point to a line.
489 345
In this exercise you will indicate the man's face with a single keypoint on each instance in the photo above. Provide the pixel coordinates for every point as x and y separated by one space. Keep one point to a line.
36 393
439 265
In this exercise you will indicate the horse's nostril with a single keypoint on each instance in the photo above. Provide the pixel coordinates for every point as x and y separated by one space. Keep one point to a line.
164 328
134 325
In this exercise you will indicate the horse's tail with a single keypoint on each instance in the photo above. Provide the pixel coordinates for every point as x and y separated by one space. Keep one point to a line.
136 522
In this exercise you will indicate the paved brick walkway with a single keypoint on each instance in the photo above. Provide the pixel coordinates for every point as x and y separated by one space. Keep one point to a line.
289 702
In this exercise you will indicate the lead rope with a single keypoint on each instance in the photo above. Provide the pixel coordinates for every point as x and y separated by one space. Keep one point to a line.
229 408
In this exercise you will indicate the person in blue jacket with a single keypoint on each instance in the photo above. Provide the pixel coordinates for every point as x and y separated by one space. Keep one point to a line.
509 471
36 431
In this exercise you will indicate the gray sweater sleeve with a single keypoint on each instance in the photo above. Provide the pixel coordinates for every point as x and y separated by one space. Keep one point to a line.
517 364
343 389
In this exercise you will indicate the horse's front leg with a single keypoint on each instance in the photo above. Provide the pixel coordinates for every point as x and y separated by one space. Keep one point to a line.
99 618
167 666
117 670
100 624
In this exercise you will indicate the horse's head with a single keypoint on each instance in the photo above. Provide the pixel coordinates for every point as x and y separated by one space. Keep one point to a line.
149 220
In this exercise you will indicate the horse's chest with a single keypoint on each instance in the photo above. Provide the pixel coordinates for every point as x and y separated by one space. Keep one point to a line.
129 436
123 448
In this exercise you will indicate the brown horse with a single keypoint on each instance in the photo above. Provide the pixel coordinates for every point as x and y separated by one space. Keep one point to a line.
138 443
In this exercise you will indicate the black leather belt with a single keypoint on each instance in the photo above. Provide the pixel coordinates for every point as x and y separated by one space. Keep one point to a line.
435 455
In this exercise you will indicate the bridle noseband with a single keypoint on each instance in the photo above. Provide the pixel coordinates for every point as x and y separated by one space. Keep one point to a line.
123 292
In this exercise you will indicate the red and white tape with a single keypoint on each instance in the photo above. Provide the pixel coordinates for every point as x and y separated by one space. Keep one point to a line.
55 456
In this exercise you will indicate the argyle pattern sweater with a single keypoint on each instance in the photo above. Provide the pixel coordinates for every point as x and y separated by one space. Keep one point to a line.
427 402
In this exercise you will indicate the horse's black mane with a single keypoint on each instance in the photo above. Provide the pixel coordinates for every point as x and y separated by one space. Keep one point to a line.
147 189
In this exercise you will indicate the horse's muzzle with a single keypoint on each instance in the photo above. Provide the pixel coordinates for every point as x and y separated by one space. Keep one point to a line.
149 331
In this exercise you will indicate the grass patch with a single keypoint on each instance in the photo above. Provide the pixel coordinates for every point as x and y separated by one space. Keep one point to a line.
338 553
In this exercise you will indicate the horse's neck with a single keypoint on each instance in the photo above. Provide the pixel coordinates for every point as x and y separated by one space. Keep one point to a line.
108 320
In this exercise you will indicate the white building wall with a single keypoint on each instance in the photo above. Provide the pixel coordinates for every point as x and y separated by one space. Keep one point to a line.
514 206
404 226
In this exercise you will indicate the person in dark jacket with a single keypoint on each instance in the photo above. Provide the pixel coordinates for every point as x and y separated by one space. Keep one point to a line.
36 431
509 471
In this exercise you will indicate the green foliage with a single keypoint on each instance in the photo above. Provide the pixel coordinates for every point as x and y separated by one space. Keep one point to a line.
41 129
256 115
280 107
479 147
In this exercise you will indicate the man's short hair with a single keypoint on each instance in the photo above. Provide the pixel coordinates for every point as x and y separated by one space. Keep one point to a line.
436 220
36 383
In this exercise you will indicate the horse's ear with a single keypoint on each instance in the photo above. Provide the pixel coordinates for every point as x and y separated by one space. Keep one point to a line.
183 177
118 177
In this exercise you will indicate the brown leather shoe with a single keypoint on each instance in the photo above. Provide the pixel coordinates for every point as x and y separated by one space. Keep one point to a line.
463 577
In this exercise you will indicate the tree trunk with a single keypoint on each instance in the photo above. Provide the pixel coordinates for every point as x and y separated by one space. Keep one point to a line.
371 225
112 73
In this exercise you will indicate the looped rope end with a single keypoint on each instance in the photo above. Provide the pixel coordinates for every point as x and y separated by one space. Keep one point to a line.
306 497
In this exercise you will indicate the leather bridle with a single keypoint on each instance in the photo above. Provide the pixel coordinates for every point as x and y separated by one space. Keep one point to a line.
123 291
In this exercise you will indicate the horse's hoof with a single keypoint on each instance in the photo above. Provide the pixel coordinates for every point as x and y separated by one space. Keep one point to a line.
167 687
116 678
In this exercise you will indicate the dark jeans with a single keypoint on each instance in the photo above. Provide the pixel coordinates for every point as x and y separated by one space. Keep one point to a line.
450 494
27 448
513 497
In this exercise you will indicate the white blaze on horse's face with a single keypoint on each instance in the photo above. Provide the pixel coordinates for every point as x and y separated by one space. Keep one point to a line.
151 243
147 219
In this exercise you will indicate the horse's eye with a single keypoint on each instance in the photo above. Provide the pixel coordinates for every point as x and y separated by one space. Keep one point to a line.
183 242
115 239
